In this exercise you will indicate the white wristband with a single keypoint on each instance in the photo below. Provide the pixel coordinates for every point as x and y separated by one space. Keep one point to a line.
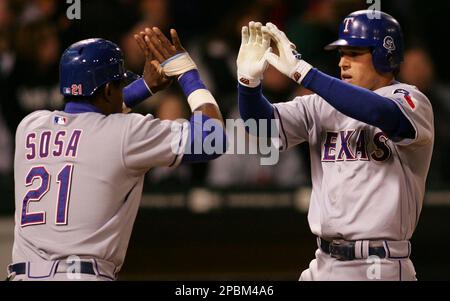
178 64
200 97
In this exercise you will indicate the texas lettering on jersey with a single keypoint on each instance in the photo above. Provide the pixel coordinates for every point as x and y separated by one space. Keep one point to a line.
365 185
353 145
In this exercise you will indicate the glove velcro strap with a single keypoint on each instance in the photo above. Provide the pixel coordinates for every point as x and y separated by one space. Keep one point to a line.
178 64
248 81
300 71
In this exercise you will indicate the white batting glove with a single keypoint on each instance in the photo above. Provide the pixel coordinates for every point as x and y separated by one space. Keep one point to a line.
251 62
288 61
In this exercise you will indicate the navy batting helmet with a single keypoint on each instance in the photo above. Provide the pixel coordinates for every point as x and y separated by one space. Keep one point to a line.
376 30
87 65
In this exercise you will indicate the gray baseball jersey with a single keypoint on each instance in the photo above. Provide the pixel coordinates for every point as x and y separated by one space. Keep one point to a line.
79 180
365 186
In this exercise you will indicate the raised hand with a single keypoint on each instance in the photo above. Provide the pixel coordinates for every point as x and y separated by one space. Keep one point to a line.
153 74
288 61
251 61
171 55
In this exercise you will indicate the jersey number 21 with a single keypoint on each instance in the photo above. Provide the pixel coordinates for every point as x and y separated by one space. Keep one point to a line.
64 181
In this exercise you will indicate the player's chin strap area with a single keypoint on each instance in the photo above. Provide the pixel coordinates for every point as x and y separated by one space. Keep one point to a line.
361 249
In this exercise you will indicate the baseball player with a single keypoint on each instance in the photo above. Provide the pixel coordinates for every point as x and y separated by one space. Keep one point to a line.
79 173
370 138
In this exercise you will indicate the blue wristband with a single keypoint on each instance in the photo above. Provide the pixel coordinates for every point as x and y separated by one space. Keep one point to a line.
135 93
190 81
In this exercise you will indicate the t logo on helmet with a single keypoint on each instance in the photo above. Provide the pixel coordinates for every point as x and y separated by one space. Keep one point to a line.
347 22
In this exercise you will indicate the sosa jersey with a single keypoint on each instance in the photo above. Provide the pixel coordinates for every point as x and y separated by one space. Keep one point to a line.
79 180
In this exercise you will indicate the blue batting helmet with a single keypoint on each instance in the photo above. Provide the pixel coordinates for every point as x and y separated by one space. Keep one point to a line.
87 65
376 30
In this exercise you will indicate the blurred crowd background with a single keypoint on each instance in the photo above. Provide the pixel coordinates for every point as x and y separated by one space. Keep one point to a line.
34 33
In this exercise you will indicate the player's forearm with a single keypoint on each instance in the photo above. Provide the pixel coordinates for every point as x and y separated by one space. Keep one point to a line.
199 97
134 94
360 104
253 105
211 111
206 123
207 139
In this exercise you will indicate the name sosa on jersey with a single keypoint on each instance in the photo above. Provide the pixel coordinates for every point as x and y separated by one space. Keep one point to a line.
49 143
357 151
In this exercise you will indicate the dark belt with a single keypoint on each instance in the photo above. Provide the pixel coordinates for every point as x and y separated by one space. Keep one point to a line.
345 250
85 268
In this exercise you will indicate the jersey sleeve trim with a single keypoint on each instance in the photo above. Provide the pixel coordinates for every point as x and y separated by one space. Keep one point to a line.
405 141
285 145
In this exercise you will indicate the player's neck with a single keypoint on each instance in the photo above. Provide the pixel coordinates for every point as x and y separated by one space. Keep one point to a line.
80 107
103 106
384 80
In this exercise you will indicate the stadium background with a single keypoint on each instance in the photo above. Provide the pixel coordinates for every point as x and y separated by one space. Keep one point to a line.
231 219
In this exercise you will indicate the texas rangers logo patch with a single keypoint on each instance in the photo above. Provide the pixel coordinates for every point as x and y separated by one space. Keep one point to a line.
407 97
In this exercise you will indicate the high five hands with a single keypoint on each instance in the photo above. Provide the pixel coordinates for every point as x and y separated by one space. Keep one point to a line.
153 75
255 53
164 59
